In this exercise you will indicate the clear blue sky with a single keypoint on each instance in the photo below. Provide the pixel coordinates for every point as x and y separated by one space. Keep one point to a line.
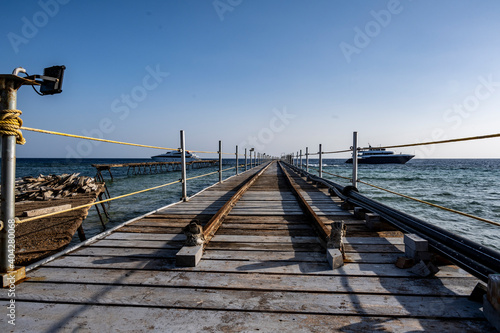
278 75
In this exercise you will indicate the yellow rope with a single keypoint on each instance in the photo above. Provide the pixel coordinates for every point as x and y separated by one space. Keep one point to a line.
94 139
10 124
431 204
96 203
209 152
489 136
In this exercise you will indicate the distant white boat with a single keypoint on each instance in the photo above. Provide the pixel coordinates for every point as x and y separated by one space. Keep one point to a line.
175 156
381 156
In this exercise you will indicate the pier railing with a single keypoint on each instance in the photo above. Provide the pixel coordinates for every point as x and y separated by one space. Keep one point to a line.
477 259
296 160
405 222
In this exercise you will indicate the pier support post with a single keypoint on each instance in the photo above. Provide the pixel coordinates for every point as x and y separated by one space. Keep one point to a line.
9 84
355 159
246 162
237 161
307 159
220 161
320 173
183 167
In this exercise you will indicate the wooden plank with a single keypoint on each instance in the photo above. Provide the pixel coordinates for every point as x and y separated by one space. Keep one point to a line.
126 252
267 232
158 237
219 238
264 226
276 267
46 210
139 244
305 283
277 301
123 243
43 317
298 247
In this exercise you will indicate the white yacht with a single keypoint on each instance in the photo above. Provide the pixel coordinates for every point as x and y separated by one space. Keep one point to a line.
380 156
175 156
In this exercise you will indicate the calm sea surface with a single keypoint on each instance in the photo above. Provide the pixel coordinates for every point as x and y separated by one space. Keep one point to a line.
467 185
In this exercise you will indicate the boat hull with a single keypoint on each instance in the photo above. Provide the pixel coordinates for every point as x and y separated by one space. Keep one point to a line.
395 159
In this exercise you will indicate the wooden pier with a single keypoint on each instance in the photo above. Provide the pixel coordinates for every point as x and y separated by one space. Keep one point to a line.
142 168
264 270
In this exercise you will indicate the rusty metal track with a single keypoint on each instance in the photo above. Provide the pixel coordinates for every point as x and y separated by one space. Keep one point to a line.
216 221
322 230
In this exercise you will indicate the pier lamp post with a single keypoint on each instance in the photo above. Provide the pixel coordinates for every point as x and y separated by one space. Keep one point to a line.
50 83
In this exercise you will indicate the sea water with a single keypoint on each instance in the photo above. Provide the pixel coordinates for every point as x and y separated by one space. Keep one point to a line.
467 185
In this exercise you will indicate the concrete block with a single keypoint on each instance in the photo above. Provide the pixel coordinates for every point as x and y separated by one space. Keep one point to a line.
334 258
359 213
415 242
189 256
478 293
493 292
404 262
420 269
373 221
12 277
372 217
491 313
346 205
417 255
423 269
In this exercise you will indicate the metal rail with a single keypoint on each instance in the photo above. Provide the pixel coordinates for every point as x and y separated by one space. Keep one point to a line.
471 256
320 227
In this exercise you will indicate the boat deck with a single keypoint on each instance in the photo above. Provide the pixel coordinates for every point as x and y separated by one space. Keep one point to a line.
264 270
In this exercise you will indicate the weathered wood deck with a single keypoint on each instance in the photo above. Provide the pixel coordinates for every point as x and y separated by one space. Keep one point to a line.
264 270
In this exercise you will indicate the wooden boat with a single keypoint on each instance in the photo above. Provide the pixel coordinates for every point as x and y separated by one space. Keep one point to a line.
43 237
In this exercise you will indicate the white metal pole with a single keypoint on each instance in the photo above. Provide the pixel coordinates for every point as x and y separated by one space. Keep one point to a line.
307 159
236 159
300 158
320 162
246 162
355 159
220 161
183 167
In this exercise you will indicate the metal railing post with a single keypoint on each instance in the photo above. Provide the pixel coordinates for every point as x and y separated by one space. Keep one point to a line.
9 84
183 167
220 161
300 158
355 159
237 160
246 162
320 172
8 101
307 159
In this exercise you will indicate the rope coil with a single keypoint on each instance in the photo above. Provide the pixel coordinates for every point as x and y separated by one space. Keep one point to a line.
10 123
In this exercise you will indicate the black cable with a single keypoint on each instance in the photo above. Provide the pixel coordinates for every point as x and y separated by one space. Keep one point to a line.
33 86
